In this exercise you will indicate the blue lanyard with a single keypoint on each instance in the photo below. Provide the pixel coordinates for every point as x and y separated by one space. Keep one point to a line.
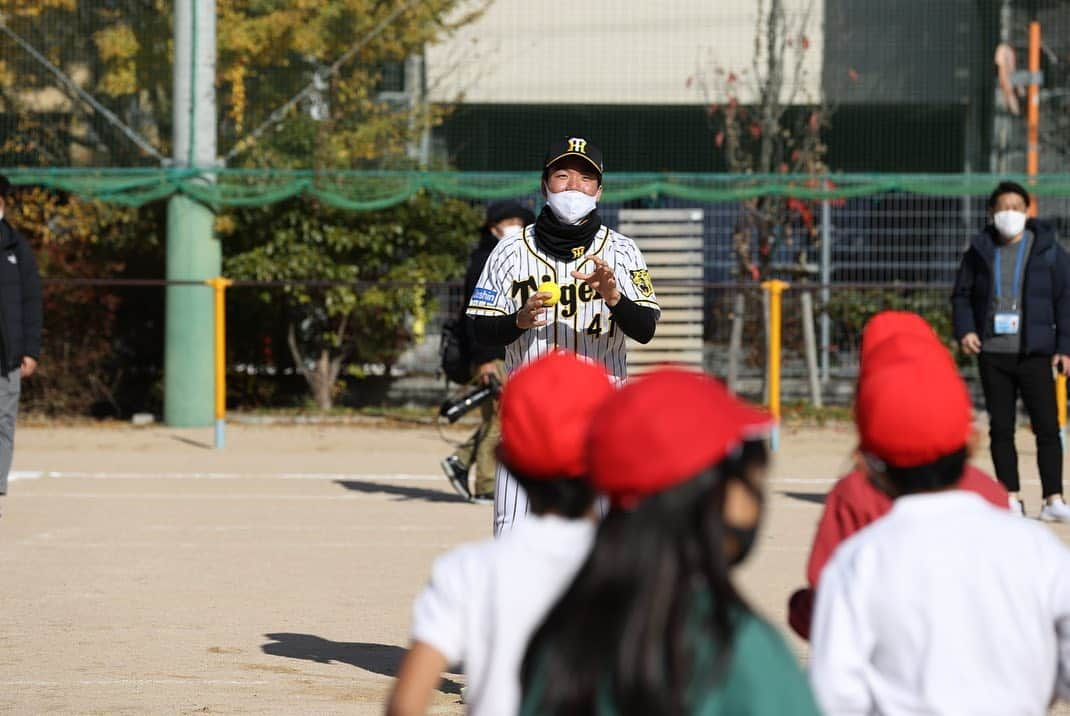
1017 268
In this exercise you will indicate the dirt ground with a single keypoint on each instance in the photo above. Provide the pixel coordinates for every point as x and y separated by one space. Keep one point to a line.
144 572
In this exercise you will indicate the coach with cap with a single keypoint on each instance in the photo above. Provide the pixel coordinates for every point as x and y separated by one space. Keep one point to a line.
567 282
1011 308
20 325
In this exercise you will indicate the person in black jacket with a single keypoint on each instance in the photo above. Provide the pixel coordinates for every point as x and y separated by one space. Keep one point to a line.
20 326
504 219
1011 308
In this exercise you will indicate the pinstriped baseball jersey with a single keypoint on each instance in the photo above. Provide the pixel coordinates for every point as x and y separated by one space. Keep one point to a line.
580 321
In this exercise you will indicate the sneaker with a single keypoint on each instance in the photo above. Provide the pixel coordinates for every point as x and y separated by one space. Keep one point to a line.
487 498
1017 507
1057 511
457 474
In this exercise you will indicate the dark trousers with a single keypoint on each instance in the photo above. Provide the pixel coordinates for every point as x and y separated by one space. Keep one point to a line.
1004 377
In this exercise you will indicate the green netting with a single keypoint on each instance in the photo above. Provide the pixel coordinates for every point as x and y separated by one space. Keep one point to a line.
368 191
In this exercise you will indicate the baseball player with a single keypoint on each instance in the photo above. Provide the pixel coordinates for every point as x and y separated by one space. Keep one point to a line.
567 282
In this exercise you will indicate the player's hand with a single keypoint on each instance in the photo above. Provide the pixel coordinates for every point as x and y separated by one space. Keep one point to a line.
531 313
29 365
601 279
1061 363
971 343
485 372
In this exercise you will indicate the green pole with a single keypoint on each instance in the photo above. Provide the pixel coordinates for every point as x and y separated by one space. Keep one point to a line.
193 254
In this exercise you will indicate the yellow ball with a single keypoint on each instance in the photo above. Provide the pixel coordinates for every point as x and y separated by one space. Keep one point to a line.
551 288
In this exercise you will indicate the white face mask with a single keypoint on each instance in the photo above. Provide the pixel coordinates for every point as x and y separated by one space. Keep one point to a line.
511 231
1009 223
571 206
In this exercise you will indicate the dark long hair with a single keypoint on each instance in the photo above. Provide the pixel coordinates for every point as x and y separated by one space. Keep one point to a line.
626 628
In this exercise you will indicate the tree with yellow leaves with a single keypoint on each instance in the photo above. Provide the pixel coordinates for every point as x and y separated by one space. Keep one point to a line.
121 52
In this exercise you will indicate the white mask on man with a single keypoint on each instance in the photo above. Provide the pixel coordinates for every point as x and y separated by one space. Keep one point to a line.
571 206
510 231
1009 223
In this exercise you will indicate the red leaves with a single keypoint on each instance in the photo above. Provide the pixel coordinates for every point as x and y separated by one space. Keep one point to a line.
718 139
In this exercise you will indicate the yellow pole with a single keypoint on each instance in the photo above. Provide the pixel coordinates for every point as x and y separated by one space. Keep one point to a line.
1060 399
775 288
219 286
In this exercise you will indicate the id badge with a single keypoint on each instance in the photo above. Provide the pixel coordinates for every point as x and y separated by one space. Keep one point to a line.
1006 323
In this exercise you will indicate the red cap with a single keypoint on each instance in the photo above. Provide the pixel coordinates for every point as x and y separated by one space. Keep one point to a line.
663 429
545 411
886 324
912 406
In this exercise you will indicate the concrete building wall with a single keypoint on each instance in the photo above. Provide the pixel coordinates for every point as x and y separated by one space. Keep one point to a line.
616 52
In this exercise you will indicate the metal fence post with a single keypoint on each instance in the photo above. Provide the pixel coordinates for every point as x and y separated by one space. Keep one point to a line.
826 274
219 295
774 290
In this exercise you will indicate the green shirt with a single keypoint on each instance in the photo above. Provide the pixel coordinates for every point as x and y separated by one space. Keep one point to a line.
762 677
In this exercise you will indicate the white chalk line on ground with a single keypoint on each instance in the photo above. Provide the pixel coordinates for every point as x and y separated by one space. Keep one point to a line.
134 682
327 476
81 475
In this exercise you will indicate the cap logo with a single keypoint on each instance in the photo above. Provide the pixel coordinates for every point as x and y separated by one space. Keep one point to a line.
575 144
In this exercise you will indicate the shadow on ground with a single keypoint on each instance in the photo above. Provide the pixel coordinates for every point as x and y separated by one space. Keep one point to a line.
402 492
817 498
194 443
377 658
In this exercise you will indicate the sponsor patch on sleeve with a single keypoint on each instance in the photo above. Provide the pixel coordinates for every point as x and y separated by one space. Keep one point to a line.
484 295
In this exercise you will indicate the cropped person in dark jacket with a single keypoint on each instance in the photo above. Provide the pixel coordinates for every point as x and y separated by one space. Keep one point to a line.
504 218
1011 308
20 326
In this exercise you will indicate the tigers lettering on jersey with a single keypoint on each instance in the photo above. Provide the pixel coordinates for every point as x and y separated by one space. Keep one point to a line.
571 294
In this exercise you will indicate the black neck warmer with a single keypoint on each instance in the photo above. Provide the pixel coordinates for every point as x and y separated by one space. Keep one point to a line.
559 239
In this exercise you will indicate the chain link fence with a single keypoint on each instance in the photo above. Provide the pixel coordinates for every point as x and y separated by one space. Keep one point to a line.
104 338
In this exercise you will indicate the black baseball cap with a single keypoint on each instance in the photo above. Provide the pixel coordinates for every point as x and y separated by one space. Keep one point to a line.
502 210
573 147
5 187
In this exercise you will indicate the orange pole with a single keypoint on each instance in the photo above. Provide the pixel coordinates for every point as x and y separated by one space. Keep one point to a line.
1032 166
1033 109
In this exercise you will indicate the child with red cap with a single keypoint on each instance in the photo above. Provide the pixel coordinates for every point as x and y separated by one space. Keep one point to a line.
652 623
946 605
854 501
486 598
